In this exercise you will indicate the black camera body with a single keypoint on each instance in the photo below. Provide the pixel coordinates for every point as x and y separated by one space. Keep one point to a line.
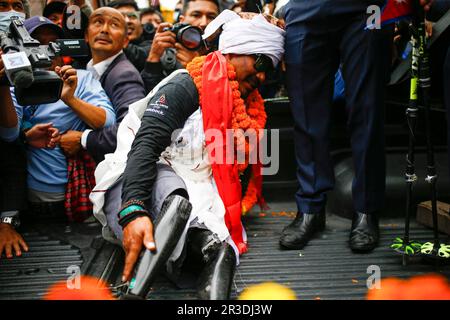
26 63
188 36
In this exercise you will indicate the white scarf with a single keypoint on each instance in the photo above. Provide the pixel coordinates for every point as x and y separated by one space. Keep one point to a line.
244 36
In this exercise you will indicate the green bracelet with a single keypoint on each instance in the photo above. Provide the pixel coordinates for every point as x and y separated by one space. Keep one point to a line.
129 210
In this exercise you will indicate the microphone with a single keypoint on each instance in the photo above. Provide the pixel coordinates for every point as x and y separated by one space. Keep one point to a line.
22 78
18 69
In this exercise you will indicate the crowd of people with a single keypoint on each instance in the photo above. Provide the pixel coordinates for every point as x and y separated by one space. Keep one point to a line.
141 104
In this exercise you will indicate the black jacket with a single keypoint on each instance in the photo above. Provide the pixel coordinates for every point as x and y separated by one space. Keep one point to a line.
167 111
123 85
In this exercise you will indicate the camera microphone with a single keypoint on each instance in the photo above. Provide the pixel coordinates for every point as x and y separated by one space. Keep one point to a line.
18 69
22 78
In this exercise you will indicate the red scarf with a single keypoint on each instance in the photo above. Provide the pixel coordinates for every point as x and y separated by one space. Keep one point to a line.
217 105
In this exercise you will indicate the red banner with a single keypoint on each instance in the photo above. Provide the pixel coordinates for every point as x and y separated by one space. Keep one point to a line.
395 10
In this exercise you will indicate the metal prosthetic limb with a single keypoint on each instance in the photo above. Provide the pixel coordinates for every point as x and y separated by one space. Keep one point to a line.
168 228
405 246
217 276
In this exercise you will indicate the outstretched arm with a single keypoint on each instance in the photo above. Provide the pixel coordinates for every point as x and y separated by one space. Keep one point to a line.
159 122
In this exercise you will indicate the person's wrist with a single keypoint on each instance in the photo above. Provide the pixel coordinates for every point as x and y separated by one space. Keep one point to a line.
152 57
70 101
130 211
6 226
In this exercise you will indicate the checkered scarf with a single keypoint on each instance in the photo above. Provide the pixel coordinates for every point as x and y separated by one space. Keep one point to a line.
81 181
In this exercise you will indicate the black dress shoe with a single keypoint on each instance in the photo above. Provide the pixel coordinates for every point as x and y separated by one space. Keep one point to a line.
297 234
365 232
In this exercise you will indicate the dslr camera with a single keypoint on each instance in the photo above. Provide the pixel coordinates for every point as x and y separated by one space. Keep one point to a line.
189 36
26 62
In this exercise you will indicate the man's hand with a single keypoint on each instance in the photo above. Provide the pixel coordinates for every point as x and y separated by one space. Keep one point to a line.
426 4
69 76
9 240
135 234
184 56
71 142
43 135
161 41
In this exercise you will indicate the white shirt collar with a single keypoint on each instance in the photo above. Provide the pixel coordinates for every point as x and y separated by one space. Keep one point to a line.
101 67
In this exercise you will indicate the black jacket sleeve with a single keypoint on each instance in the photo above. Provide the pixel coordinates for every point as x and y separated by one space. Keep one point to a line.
124 86
167 111
154 72
137 55
152 75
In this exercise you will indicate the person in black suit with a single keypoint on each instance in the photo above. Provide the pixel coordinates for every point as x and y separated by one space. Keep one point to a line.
107 36
320 35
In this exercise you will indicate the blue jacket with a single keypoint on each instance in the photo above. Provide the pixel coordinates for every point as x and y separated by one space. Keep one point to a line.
47 168
320 10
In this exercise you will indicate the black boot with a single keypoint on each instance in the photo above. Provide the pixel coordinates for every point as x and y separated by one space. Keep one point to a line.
217 276
168 227
365 232
297 234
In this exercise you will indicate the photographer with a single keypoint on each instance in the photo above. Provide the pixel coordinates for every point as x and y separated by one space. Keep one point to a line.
107 36
138 47
166 55
83 104
151 16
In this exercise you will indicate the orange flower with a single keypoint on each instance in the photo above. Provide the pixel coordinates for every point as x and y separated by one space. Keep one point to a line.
424 287
90 288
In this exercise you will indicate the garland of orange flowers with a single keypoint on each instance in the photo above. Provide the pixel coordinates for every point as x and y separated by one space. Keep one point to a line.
245 115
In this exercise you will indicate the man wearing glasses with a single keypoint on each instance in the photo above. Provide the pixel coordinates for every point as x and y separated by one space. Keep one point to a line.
138 48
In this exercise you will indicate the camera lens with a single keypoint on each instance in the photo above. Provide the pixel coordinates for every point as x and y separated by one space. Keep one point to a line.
191 38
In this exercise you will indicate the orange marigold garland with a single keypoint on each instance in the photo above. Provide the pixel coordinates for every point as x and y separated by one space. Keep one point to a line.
245 115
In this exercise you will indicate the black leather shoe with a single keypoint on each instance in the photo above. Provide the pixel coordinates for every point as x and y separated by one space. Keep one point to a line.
365 232
297 234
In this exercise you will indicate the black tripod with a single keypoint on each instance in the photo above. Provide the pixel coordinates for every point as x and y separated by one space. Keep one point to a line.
420 92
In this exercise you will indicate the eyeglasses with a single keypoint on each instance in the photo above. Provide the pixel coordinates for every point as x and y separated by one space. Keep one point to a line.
262 63
132 15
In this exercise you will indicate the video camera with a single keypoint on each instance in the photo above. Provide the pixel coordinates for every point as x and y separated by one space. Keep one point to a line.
189 36
26 62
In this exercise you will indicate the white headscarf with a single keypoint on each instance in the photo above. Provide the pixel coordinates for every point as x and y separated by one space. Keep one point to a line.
245 36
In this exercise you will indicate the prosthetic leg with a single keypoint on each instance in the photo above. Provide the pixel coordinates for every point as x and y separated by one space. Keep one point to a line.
219 259
168 227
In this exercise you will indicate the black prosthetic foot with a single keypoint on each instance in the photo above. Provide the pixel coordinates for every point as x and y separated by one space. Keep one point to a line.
168 227
217 275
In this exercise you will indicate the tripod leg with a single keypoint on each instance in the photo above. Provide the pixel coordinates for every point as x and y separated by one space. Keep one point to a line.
169 226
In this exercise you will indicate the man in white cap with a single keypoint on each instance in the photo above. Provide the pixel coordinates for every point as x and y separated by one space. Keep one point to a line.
174 171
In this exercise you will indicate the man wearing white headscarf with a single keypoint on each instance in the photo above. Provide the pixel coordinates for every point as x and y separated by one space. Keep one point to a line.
170 171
